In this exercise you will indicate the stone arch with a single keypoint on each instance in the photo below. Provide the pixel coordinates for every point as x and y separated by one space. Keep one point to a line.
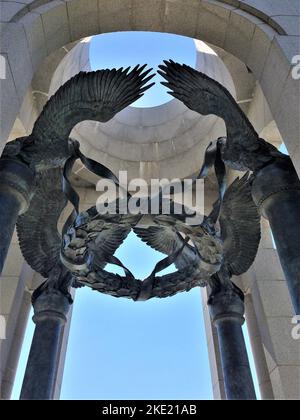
258 33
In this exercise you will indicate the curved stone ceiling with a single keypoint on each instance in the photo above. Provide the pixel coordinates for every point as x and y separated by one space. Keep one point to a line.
165 141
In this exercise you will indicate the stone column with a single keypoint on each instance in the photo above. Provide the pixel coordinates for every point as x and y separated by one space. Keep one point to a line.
276 191
216 372
16 182
227 313
50 315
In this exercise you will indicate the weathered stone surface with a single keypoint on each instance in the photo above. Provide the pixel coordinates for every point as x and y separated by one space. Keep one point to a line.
14 46
285 347
268 266
7 291
8 9
267 8
12 268
148 15
34 31
79 12
276 64
9 103
286 380
260 46
213 22
275 297
239 34
181 18
56 24
290 24
287 122
115 15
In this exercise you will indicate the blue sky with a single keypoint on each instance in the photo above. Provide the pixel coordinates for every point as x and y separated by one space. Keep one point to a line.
119 349
123 49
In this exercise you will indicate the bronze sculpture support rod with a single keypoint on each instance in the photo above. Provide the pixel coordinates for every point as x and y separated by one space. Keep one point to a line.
276 190
50 311
16 182
227 310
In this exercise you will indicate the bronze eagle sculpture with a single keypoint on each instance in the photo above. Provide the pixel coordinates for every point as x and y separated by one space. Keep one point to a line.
208 256
242 149
94 96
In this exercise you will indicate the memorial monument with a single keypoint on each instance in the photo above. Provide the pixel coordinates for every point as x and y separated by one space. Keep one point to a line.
223 254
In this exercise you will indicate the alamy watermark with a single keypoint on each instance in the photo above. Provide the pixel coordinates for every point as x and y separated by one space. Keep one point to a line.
159 196
2 67
296 328
296 67
2 327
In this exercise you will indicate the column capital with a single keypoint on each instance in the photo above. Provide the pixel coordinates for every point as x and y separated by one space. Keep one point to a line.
51 304
17 179
226 305
273 181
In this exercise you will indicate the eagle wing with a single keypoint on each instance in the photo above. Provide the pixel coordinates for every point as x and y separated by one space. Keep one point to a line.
95 96
240 226
37 228
107 242
244 149
167 241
